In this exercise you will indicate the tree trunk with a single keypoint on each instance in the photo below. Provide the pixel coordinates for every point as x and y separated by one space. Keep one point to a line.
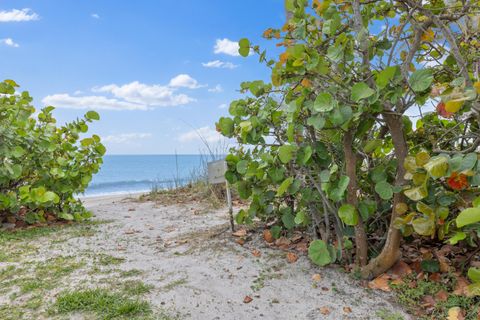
391 250
361 244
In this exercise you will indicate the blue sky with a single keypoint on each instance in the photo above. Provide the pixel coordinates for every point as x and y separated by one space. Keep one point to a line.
154 70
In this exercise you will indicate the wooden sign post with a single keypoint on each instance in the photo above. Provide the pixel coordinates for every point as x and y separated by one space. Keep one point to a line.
216 175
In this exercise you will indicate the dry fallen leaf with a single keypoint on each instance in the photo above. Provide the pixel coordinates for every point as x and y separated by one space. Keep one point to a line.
292 257
380 283
247 299
428 301
282 243
435 277
267 235
240 241
256 253
441 295
317 277
401 269
347 309
462 287
455 313
325 311
240 233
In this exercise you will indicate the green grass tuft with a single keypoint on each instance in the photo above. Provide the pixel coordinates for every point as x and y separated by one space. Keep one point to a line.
103 303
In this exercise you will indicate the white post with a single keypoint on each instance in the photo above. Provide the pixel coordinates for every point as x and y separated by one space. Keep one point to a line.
230 206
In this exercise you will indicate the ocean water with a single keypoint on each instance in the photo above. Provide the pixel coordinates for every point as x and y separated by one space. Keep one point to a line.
122 174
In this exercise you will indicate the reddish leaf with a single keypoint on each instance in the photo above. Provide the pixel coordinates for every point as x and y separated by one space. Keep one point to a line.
247 299
442 111
457 181
347 309
256 253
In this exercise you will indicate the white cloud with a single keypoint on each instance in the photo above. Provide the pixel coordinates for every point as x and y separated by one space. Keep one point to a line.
184 81
218 88
204 133
223 106
9 42
125 137
95 16
67 101
16 15
131 96
219 64
148 95
226 46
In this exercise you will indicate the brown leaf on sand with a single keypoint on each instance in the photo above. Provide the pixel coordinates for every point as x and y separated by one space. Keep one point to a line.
317 277
240 241
461 289
325 310
441 295
240 233
380 283
256 253
267 235
400 270
247 299
347 309
301 247
282 243
455 313
292 257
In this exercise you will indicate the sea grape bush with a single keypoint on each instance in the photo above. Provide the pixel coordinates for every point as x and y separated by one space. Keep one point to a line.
369 129
43 165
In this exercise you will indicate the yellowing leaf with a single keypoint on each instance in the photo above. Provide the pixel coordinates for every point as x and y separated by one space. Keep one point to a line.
284 57
455 313
476 85
453 105
306 83
428 35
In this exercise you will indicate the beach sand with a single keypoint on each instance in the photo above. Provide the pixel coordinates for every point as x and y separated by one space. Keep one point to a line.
198 271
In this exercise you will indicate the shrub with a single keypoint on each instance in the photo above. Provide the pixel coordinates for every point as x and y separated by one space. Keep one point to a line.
43 165
331 141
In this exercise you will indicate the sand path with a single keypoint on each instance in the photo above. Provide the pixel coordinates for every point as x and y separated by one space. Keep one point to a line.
198 271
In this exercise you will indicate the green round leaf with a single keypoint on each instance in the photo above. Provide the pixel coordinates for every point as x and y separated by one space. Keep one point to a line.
319 254
421 80
384 190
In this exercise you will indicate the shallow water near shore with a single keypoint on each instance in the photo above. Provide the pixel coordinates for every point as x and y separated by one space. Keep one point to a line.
124 174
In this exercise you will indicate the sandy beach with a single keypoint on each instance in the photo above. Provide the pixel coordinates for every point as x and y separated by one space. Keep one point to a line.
200 272
179 256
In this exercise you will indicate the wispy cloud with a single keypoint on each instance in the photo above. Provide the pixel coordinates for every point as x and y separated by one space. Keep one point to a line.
125 137
204 133
16 15
95 16
218 88
9 42
223 106
219 64
64 100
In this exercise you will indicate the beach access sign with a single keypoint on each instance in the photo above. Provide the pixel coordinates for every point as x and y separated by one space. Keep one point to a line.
216 175
216 171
